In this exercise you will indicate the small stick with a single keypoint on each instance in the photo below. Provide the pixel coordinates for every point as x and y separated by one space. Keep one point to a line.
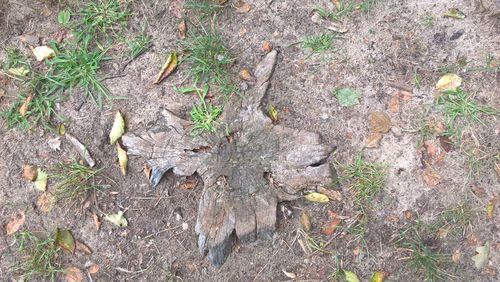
400 87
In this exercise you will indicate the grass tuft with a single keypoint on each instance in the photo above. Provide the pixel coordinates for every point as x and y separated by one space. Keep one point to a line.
203 8
204 115
139 44
319 44
39 257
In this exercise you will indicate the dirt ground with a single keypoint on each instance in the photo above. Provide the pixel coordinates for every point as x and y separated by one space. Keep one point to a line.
391 43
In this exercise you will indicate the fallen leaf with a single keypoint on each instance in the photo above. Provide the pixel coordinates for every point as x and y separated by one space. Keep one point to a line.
338 5
182 29
93 268
122 159
347 97
446 143
317 197
305 220
290 275
243 7
405 95
442 232
246 75
430 148
331 194
167 68
147 170
30 172
65 240
82 247
379 122
351 276
490 209
20 71
81 149
331 225
431 177
373 140
61 129
455 14
481 258
378 276
15 222
23 110
190 183
472 240
118 128
436 126
45 202
267 46
55 144
73 274
41 180
478 191
448 82
408 215
97 221
63 17
43 52
456 256
394 104
273 114
117 219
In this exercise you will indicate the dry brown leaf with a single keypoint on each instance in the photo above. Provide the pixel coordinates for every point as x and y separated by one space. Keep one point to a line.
405 95
176 8
442 232
15 222
431 148
332 223
147 170
182 29
408 215
30 172
23 110
431 177
122 158
81 149
189 183
168 68
436 126
73 274
331 194
82 247
267 46
379 122
93 268
472 240
243 7
246 75
440 157
305 220
45 202
394 104
446 143
373 141
456 256
97 221
478 191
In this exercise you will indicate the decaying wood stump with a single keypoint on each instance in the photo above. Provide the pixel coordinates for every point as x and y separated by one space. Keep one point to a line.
245 173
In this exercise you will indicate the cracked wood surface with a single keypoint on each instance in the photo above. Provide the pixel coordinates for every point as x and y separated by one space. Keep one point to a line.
245 174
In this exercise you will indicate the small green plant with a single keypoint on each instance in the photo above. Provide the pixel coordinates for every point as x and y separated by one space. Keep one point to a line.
204 115
203 8
422 257
417 79
320 43
367 6
75 181
77 66
364 178
428 20
459 103
15 60
139 44
103 16
39 257
347 97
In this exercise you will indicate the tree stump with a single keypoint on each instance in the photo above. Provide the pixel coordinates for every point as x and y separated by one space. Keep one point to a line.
247 167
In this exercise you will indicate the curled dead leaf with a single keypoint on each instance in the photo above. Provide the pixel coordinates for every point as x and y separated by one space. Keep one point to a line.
446 143
15 222
82 247
379 122
73 274
405 95
331 224
168 68
182 29
373 140
97 221
23 110
122 158
408 215
305 220
431 177
81 149
45 202
93 268
30 172
43 52
394 104
448 82
430 148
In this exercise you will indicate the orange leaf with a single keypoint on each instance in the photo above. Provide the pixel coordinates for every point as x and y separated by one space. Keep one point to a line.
431 177
23 110
373 140
394 104
332 223
16 221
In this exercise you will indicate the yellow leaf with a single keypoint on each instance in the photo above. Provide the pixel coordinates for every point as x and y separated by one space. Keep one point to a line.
41 180
317 197
377 276
43 52
122 159
351 276
273 114
118 128
167 68
117 219
448 82
490 209
20 71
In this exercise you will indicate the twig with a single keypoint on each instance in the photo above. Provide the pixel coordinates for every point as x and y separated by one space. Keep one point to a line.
399 86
